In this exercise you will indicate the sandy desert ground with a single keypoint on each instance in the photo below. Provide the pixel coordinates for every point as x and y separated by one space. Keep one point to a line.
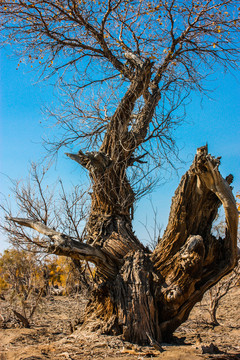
50 336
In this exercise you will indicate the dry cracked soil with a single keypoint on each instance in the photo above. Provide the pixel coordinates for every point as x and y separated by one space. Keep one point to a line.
51 336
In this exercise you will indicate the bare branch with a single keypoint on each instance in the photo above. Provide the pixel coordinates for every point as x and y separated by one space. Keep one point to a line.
62 244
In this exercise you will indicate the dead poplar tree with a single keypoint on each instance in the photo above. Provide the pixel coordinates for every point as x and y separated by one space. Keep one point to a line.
125 66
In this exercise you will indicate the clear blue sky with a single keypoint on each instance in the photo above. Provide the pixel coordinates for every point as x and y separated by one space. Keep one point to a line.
22 127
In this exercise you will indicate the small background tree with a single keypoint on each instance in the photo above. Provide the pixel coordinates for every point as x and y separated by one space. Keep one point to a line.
65 277
216 293
22 283
220 290
26 280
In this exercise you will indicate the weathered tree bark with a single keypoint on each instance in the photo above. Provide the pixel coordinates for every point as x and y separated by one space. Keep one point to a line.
145 295
110 221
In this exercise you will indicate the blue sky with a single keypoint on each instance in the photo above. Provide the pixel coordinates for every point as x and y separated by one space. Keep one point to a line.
216 122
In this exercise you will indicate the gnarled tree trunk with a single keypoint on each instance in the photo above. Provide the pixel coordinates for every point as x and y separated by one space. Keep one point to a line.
142 295
145 295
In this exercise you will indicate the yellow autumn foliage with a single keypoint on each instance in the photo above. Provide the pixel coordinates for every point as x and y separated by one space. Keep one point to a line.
238 202
21 270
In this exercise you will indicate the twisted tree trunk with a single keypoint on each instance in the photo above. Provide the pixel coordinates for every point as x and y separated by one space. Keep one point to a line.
145 295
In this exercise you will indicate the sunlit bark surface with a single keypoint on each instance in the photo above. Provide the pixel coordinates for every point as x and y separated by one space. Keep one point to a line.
125 69
146 295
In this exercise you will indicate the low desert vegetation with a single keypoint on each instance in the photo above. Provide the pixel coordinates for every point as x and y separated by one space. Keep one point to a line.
27 280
